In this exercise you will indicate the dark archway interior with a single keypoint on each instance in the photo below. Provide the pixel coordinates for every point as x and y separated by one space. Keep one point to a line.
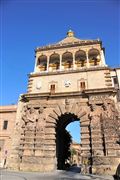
63 139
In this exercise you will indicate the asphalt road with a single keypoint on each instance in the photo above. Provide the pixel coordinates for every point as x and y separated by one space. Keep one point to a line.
57 175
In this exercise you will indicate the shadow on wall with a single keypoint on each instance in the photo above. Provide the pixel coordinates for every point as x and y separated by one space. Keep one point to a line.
117 174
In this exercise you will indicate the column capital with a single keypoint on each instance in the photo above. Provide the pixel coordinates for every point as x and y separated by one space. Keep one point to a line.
86 50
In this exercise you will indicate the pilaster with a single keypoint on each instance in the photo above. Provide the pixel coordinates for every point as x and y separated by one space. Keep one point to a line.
102 58
60 62
88 65
48 58
73 60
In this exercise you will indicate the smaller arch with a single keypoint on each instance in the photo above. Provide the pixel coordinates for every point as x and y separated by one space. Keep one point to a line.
54 62
63 138
94 57
58 119
42 62
80 58
67 60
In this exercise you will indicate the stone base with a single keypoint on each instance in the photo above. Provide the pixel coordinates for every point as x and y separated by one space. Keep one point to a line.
37 168
104 170
105 165
33 163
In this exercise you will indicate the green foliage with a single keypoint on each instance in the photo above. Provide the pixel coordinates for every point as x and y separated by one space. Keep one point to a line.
73 152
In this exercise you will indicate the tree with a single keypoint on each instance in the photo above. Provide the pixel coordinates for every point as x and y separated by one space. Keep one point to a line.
72 152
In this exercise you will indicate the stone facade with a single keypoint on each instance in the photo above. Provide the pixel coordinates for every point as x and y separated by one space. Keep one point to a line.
70 82
75 153
7 124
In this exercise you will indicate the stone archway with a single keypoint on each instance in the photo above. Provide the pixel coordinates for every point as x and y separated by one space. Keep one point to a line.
63 139
34 142
60 117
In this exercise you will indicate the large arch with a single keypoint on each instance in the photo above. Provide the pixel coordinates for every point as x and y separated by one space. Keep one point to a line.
42 62
67 60
59 118
80 58
54 62
94 57
63 139
37 130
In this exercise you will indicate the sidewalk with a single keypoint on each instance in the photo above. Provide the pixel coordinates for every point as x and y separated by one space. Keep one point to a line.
56 175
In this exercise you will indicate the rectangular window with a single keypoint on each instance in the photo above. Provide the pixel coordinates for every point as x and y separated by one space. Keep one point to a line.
2 142
115 81
52 88
5 124
82 85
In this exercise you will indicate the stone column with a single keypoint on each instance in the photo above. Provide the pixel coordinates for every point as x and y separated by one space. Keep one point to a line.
102 58
35 67
73 60
88 65
60 62
48 57
85 143
13 160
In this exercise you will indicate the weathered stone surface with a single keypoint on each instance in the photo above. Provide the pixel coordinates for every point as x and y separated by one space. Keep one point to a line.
57 96
38 135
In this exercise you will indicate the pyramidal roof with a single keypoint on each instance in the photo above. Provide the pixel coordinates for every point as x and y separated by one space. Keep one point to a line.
69 39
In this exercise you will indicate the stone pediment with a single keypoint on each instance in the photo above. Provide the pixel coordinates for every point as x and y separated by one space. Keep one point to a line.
69 40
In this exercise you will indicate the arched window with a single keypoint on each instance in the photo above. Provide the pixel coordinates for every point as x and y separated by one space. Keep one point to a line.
94 57
42 63
54 62
67 60
80 58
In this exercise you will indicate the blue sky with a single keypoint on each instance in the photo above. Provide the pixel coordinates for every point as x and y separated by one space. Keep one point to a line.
74 129
27 24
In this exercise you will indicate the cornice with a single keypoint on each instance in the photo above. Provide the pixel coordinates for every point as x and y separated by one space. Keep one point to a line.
67 71
67 45
83 94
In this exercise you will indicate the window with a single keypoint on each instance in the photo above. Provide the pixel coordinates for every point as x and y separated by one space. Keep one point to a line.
5 124
115 81
52 88
82 85
2 142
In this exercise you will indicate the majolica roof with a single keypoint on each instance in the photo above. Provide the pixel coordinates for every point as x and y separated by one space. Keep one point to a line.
68 41
70 38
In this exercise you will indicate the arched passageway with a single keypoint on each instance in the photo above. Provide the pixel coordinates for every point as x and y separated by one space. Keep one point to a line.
64 139
94 57
67 60
54 62
42 63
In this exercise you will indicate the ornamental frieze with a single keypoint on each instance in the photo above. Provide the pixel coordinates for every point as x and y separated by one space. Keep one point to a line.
32 118
98 98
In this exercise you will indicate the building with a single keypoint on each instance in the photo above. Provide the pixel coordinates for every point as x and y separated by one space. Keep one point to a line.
75 158
7 124
70 82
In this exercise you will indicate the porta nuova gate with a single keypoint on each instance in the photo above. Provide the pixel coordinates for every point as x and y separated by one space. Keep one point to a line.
34 141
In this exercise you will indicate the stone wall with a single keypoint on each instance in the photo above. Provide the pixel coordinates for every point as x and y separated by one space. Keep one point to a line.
34 143
93 78
7 113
